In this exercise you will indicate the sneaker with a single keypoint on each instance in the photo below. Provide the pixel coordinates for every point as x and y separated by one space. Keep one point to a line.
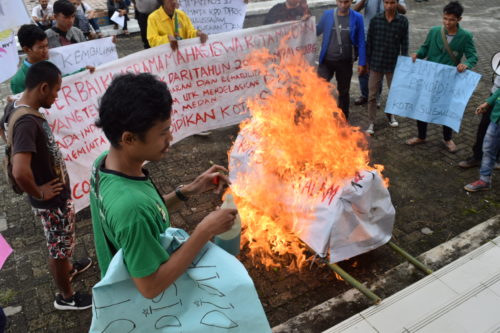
478 185
471 162
379 105
393 122
360 100
77 302
79 266
370 130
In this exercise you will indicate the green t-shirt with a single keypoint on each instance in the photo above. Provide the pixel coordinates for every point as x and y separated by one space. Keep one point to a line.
17 84
133 215
494 101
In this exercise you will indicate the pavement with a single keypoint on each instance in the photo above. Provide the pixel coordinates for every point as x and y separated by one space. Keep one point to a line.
425 186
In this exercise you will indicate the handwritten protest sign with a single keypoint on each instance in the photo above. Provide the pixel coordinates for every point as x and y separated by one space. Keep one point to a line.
8 55
13 13
215 294
71 58
215 16
430 92
207 82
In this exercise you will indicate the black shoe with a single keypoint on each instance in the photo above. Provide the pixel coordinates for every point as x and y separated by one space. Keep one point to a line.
469 163
80 266
361 100
77 302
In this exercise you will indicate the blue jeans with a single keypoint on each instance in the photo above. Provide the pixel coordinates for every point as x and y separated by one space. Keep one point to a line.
491 144
93 23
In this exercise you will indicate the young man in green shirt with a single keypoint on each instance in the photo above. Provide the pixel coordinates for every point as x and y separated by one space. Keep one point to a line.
128 212
35 45
461 43
491 144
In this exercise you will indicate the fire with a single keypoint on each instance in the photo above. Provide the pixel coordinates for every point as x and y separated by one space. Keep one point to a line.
297 136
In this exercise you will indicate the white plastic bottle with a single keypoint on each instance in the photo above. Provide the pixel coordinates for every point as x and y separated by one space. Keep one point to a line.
230 240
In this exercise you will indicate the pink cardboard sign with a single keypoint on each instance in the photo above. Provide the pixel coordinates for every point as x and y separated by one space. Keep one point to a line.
5 250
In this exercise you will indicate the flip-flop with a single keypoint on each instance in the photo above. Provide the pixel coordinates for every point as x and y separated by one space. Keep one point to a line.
414 141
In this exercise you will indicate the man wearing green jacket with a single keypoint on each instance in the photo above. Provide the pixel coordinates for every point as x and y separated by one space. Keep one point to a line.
34 43
459 42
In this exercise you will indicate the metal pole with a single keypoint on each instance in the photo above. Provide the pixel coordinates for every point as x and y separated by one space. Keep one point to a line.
410 258
355 283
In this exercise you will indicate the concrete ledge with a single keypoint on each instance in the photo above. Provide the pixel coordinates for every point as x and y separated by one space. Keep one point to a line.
339 308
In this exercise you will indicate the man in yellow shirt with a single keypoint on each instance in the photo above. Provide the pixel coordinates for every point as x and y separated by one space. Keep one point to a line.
168 24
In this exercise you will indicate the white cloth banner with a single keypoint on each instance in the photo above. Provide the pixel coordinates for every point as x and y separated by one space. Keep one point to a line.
73 57
350 219
13 13
8 55
215 16
208 86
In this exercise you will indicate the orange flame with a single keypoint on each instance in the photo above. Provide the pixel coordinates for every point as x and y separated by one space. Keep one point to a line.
299 137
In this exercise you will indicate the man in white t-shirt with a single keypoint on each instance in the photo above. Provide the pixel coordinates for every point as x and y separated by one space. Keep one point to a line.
43 14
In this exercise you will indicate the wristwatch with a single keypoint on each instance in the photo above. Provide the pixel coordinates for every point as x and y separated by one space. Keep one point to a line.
179 194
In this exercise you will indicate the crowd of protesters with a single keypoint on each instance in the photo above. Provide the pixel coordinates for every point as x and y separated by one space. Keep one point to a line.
135 115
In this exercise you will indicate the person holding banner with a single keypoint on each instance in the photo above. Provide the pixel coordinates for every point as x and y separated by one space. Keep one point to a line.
64 33
39 170
491 144
35 45
290 10
446 45
343 42
127 209
168 24
387 39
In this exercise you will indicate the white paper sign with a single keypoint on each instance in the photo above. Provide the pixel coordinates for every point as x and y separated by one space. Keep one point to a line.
354 217
13 13
73 57
8 55
215 16
120 20
208 86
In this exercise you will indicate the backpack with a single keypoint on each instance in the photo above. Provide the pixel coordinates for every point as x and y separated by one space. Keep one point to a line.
17 113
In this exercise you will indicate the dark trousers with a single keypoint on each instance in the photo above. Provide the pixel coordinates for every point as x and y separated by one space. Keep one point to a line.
422 131
93 23
342 70
3 321
477 149
142 19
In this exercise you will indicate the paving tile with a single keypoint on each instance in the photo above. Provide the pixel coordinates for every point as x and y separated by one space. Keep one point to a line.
394 312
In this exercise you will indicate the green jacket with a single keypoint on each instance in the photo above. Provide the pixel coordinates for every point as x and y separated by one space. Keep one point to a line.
433 48
17 82
494 101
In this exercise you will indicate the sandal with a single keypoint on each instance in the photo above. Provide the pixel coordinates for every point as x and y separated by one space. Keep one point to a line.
451 146
414 141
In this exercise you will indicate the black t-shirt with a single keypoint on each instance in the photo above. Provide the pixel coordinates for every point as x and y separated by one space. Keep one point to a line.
280 13
33 135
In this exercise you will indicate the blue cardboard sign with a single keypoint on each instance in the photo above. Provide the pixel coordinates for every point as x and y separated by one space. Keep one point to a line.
215 294
430 92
